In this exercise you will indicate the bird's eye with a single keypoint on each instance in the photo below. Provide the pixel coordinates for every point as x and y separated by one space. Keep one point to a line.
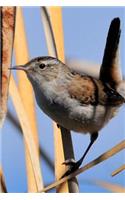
42 66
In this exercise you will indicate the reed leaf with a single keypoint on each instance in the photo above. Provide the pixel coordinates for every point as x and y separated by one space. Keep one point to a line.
119 170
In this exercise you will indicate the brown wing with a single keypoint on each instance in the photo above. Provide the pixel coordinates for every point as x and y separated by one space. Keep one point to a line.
83 89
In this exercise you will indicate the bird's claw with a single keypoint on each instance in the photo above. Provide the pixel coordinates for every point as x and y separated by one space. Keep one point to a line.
72 166
69 162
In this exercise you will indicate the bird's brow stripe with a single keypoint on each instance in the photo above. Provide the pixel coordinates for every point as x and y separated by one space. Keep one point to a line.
44 58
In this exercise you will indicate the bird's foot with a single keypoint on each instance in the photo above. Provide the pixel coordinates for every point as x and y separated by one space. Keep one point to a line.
58 126
72 166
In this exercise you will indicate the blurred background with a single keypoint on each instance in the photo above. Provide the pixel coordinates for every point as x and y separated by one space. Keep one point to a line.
85 31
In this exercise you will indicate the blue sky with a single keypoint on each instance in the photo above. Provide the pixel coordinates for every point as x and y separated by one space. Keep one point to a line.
85 31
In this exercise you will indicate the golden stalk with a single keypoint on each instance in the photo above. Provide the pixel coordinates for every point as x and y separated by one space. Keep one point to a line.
22 56
27 132
119 170
50 40
3 188
52 22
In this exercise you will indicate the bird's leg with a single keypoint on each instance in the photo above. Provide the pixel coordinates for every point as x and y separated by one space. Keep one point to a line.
73 166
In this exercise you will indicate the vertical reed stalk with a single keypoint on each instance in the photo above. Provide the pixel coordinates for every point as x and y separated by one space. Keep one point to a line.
52 21
27 132
22 56
7 25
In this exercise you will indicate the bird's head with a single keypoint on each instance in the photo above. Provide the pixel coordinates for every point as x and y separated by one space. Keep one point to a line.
41 69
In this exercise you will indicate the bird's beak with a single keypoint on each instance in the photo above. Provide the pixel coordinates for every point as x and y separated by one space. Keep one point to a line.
19 67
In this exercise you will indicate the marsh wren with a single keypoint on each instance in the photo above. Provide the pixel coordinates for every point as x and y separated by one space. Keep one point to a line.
77 101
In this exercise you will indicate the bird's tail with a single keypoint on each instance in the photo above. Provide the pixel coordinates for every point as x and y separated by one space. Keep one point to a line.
110 72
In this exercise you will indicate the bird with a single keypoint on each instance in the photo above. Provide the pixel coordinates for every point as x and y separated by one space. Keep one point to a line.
77 101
